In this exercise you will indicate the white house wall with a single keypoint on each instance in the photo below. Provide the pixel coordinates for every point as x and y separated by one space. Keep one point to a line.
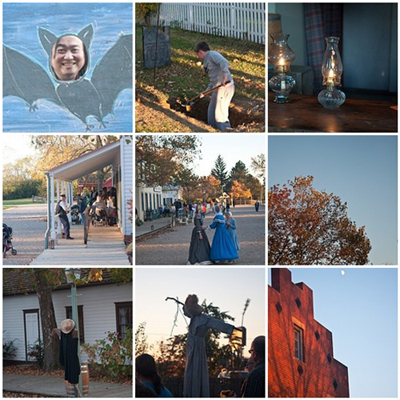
98 312
127 179
156 199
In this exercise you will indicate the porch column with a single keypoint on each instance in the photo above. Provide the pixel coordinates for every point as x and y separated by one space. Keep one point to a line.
52 209
58 230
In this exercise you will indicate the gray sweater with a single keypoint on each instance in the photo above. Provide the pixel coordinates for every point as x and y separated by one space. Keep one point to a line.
217 67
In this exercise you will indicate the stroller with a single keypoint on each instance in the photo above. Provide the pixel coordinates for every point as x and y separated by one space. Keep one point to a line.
75 216
112 217
98 218
7 241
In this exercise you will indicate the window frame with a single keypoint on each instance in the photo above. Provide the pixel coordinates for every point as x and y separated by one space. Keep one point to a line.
130 319
298 342
81 329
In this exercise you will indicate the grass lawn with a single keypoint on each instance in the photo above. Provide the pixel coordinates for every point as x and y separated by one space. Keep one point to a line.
17 202
184 78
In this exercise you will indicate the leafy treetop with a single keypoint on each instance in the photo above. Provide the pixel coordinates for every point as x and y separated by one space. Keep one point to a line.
307 226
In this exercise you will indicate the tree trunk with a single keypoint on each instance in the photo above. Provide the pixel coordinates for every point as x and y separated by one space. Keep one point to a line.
48 320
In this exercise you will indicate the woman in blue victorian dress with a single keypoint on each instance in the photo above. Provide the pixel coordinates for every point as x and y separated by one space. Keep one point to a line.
231 226
222 248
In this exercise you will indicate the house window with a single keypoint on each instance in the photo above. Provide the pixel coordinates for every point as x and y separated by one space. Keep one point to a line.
68 311
298 343
123 312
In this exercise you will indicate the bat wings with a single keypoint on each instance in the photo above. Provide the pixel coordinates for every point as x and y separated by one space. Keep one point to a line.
25 78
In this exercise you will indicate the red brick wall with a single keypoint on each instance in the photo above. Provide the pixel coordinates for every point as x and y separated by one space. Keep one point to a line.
319 373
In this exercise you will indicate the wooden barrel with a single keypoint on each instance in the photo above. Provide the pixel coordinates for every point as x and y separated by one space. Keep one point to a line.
274 26
69 388
85 379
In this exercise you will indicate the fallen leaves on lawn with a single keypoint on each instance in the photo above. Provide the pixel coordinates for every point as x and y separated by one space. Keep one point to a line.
17 395
31 370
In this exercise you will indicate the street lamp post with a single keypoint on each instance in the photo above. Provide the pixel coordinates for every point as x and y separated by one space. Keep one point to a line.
71 275
244 311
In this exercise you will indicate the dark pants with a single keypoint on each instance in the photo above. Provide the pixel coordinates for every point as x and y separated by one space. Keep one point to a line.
65 224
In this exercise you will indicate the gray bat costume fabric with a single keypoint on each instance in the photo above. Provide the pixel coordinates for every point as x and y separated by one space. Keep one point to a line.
196 383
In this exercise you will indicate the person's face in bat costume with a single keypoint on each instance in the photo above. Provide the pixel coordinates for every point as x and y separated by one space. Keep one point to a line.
68 58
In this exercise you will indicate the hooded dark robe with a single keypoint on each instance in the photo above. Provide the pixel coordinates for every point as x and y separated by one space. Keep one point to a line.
196 381
69 357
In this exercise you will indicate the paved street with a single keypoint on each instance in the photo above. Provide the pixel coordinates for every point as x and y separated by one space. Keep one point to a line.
171 246
54 387
29 225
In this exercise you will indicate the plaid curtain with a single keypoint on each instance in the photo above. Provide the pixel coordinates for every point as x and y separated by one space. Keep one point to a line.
321 20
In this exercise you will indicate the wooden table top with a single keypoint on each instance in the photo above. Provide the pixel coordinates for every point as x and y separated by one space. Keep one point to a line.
306 114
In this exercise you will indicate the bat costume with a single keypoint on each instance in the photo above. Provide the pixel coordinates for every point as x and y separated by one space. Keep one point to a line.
28 80
69 351
196 381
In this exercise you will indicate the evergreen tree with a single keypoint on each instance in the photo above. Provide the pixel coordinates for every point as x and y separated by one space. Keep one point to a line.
219 171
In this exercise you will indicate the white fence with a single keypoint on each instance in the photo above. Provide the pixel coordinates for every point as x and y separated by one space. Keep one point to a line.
237 20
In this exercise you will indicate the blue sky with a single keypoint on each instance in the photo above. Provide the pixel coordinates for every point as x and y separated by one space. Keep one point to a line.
233 148
361 170
227 288
360 309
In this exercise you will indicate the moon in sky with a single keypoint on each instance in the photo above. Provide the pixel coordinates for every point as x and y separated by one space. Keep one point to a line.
342 272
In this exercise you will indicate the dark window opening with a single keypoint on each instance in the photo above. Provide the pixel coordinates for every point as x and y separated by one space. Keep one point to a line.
298 343
123 313
68 311
298 302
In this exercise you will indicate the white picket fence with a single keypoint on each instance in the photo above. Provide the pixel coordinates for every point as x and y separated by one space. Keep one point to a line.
237 20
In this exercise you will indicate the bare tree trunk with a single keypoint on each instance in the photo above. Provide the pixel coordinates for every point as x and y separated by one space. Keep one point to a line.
48 320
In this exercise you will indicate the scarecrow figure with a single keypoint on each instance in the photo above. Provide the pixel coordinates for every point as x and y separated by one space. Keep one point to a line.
196 382
69 353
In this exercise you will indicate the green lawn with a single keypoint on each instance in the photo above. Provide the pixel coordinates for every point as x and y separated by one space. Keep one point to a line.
17 202
184 77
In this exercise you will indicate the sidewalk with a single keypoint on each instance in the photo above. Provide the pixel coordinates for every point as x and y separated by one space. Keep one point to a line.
152 226
105 247
54 387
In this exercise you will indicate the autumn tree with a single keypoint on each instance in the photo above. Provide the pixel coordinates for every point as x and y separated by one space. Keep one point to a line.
189 182
239 190
258 166
307 227
240 174
209 187
18 179
54 150
160 158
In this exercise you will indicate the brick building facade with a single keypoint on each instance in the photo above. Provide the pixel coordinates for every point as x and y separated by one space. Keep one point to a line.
300 349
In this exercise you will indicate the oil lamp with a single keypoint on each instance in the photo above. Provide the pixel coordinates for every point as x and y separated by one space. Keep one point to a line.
332 69
281 56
